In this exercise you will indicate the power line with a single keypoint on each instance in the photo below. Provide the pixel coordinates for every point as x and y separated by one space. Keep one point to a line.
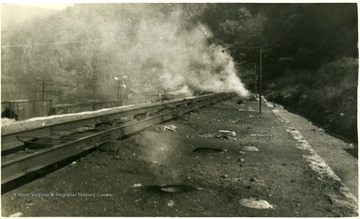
45 44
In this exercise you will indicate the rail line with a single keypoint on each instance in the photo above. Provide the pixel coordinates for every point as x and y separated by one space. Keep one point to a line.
27 151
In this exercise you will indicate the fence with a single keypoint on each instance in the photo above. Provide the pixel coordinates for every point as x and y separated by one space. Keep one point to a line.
25 109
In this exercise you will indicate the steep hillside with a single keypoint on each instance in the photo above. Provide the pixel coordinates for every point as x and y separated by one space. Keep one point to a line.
309 54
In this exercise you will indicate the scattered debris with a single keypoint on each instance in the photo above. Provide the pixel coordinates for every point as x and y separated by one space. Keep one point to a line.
227 132
170 203
241 160
17 214
253 179
316 129
221 134
255 203
73 163
242 110
170 127
161 129
260 135
137 185
250 148
224 176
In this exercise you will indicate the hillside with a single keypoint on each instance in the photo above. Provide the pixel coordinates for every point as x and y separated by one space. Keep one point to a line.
309 54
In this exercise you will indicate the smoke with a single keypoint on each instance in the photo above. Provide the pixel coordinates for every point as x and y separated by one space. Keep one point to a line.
158 44
161 151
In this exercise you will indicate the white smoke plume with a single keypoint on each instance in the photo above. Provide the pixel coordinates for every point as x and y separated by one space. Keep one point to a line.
163 47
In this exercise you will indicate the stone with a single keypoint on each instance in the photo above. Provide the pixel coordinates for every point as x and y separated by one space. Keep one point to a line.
255 203
17 214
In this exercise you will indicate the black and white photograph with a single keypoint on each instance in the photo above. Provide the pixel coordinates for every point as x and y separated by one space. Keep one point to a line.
179 109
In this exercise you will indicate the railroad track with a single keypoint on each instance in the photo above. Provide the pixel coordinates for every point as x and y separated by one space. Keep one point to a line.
28 151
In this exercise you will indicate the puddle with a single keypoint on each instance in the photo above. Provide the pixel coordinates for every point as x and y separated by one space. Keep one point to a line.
255 203
250 148
171 188
207 150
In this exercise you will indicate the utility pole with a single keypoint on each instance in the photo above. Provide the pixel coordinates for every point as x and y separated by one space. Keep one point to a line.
118 90
44 91
260 80
260 72
255 79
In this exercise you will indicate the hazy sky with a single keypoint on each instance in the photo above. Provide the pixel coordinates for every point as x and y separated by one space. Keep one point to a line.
57 6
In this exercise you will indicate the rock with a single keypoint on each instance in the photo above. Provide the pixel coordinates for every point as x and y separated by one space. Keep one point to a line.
170 203
260 135
253 179
228 133
17 214
250 148
170 128
255 203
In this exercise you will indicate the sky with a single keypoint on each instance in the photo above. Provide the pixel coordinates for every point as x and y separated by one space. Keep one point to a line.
56 6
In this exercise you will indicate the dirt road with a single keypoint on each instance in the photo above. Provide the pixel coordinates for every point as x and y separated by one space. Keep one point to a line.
257 165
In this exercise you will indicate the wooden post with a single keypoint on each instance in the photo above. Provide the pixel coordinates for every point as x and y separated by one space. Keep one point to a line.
260 78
